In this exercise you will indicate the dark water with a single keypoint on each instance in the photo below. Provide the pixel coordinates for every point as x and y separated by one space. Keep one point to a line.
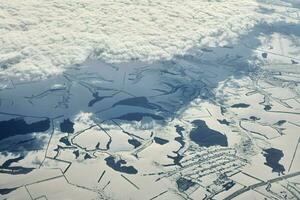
16 170
139 116
267 107
87 156
184 184
240 105
228 185
25 141
204 136
6 167
280 122
264 55
119 165
168 72
21 144
176 159
224 121
134 142
294 62
96 99
254 118
18 126
179 139
97 145
8 162
67 126
273 156
4 191
138 102
76 153
160 141
223 110
65 140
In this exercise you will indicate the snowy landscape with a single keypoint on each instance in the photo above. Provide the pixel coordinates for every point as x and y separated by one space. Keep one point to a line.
150 100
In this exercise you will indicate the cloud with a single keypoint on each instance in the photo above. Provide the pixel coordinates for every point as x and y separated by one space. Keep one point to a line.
43 37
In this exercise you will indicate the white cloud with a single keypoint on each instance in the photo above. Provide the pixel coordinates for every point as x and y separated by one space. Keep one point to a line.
84 118
44 37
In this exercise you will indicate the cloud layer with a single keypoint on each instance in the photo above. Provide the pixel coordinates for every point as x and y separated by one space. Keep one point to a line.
44 37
